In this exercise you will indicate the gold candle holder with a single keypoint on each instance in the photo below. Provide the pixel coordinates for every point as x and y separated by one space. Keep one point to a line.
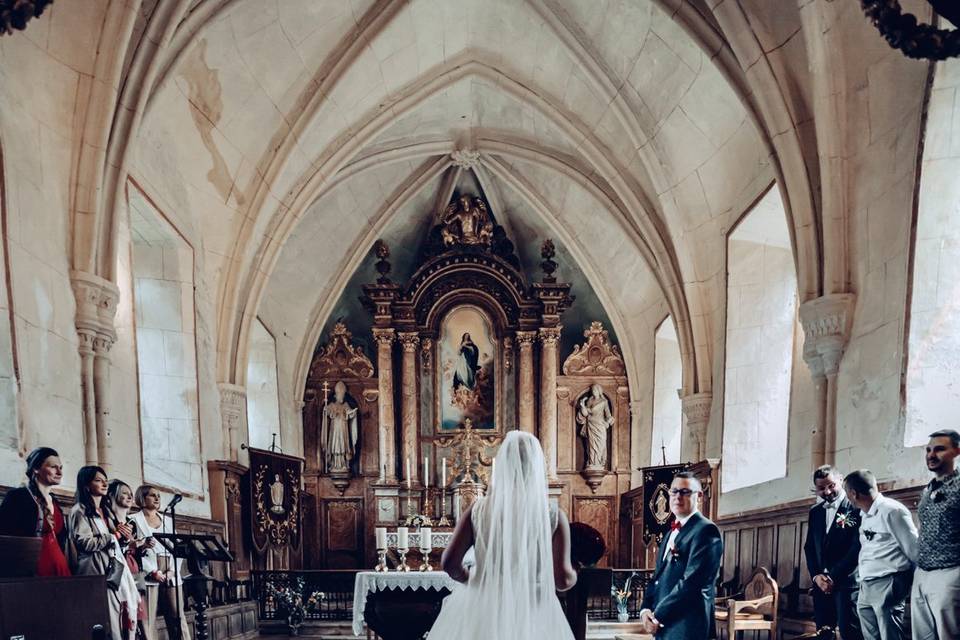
425 565
443 521
403 566
381 561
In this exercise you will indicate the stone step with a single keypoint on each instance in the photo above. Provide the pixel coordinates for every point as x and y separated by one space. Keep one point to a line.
609 630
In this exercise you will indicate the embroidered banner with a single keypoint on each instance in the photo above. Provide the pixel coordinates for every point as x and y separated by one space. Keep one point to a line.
274 499
656 500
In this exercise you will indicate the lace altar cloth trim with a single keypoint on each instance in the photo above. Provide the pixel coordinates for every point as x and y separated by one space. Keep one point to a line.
438 540
368 581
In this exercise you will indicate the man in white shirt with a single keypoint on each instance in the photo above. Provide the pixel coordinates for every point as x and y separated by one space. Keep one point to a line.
888 549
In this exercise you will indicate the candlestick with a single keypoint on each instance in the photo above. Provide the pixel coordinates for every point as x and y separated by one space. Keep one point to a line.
443 521
402 548
426 545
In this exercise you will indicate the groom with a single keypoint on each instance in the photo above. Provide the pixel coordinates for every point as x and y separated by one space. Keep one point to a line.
678 602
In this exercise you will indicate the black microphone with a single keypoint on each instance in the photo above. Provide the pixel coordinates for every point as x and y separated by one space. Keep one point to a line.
174 501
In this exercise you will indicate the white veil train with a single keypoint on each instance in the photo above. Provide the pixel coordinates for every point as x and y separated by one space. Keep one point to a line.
510 594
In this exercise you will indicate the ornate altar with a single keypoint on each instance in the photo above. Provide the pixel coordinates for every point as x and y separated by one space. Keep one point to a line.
465 349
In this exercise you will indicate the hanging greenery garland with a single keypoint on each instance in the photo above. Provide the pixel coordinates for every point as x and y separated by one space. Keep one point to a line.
15 14
902 31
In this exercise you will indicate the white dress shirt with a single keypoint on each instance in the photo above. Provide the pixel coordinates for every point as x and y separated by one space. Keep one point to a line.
673 535
888 539
831 509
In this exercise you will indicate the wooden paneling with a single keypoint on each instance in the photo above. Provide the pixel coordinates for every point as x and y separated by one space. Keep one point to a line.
599 513
341 533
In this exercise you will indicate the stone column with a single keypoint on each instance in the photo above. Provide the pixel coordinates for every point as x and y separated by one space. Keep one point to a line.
88 390
826 327
525 395
410 403
549 342
387 447
96 300
233 418
696 409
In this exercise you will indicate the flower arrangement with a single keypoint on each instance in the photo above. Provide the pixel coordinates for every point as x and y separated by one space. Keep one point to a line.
418 520
288 599
622 596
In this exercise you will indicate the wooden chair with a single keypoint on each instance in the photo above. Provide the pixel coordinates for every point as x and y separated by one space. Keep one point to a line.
756 612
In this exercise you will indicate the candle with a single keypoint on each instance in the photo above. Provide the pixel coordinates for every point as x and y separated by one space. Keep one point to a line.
425 540
426 471
381 537
402 538
444 481
408 472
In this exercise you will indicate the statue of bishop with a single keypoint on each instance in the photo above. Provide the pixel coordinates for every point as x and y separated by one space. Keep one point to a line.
338 432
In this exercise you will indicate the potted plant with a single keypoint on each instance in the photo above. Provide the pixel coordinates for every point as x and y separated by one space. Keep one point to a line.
622 597
288 599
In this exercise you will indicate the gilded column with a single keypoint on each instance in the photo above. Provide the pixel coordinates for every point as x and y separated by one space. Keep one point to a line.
410 402
525 395
387 447
549 342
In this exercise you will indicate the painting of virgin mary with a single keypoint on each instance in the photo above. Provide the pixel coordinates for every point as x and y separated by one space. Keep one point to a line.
467 356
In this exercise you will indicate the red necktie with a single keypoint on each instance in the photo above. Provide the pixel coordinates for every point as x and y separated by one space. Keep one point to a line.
675 525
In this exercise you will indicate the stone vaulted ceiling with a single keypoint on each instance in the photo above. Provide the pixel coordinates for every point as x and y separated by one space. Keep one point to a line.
297 131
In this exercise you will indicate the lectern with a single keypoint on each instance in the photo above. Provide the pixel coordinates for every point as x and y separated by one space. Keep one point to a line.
198 550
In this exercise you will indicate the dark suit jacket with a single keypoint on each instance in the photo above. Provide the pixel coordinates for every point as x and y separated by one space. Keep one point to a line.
834 553
682 592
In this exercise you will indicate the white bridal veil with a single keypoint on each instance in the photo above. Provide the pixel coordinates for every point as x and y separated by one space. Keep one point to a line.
510 594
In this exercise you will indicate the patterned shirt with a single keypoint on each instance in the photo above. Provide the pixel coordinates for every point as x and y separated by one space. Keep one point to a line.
939 513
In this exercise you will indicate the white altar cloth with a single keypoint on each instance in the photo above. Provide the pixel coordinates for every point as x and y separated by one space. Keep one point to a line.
368 581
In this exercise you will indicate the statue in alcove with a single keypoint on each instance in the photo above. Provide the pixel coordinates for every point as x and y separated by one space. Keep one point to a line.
338 432
466 221
595 418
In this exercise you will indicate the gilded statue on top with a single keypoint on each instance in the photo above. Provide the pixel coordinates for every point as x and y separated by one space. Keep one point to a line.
466 221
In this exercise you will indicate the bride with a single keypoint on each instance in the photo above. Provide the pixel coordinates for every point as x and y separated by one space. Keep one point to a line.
522 549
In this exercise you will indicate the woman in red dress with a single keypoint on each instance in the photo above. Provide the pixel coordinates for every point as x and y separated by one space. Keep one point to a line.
32 511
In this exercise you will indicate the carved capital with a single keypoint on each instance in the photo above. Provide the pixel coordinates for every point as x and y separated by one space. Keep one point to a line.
550 336
526 339
87 337
384 337
96 300
410 341
696 408
826 321
233 415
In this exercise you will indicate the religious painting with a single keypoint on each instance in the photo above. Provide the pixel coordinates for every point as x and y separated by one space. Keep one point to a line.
467 351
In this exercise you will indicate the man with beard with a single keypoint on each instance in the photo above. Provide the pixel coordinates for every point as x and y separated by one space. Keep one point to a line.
832 547
935 601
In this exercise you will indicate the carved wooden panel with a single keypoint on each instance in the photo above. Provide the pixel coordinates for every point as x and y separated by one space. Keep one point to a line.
599 513
342 533
764 553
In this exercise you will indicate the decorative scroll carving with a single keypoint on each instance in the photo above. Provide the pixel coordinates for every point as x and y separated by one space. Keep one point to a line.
341 358
596 357
233 415
465 158
826 326
426 354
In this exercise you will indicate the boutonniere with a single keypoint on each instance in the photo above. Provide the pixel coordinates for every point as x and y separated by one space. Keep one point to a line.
674 552
846 520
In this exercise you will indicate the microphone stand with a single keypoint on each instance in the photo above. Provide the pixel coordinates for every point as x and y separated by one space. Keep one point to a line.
178 634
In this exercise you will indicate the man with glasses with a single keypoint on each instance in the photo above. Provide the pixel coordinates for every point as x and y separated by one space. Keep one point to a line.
888 547
679 602
832 548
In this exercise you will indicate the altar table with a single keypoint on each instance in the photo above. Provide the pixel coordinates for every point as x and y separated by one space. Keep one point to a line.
399 605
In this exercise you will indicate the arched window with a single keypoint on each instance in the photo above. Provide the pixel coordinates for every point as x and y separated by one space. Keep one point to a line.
667 379
163 295
761 321
933 362
263 401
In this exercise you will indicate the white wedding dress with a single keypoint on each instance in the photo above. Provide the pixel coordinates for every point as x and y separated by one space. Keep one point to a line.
510 594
